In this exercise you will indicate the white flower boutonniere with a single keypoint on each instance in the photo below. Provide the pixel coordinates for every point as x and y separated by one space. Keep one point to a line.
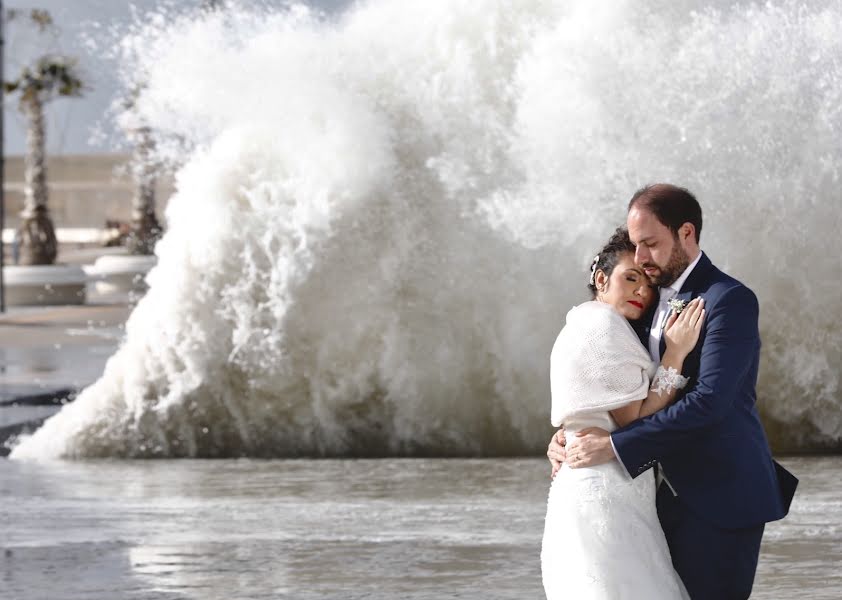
677 305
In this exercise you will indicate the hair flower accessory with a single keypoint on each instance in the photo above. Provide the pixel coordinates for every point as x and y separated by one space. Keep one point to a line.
593 268
677 305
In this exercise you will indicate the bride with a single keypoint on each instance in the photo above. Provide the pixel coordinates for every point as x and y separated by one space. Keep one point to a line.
602 538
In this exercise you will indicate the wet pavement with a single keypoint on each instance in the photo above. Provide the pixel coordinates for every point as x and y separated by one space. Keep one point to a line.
49 353
381 529
48 348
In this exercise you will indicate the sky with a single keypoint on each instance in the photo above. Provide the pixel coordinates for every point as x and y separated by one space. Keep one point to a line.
72 123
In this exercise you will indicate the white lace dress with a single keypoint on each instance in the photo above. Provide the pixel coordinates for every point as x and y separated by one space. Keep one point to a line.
602 538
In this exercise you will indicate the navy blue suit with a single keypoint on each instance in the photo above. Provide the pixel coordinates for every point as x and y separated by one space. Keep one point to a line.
712 447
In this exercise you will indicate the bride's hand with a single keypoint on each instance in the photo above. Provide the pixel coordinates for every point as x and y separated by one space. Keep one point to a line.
682 329
556 451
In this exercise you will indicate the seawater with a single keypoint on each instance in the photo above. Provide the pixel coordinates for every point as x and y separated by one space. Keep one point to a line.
382 216
420 529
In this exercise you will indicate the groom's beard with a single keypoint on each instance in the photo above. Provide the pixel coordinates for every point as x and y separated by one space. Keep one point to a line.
678 261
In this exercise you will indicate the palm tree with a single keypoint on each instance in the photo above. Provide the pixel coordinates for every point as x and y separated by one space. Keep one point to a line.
145 227
50 77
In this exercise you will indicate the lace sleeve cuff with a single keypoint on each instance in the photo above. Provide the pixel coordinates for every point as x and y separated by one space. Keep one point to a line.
667 380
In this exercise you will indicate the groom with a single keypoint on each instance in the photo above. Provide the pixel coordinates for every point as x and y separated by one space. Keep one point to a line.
718 483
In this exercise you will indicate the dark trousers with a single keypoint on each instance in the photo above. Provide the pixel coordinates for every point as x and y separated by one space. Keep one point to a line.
713 563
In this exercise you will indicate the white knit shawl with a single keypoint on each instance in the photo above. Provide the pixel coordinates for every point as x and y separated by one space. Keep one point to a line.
597 363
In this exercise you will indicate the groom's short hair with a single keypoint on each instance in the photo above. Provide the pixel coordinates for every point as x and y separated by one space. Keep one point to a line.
673 206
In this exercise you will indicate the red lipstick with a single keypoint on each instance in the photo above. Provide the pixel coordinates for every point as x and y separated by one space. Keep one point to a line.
636 303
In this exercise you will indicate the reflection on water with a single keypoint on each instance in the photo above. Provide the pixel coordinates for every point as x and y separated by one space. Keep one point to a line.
381 529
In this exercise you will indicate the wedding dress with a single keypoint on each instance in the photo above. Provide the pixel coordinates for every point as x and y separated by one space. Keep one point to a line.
602 538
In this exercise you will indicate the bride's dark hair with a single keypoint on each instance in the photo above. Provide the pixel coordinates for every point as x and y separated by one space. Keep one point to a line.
618 244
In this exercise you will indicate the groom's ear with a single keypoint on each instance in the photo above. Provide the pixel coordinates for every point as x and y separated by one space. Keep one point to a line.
687 232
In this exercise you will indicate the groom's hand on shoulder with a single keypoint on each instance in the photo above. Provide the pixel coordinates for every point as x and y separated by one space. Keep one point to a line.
556 451
589 447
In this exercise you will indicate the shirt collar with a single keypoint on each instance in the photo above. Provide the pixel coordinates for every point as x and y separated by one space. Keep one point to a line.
675 286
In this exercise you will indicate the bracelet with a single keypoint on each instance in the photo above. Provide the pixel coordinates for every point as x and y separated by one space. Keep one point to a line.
668 380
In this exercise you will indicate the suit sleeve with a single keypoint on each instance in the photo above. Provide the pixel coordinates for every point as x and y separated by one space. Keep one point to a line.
731 340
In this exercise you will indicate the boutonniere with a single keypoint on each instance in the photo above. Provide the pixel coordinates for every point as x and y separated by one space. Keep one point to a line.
677 305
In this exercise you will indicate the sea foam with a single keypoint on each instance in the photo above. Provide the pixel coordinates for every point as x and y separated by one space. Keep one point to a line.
382 217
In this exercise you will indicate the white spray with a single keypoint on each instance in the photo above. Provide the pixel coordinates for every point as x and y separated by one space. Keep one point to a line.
381 220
